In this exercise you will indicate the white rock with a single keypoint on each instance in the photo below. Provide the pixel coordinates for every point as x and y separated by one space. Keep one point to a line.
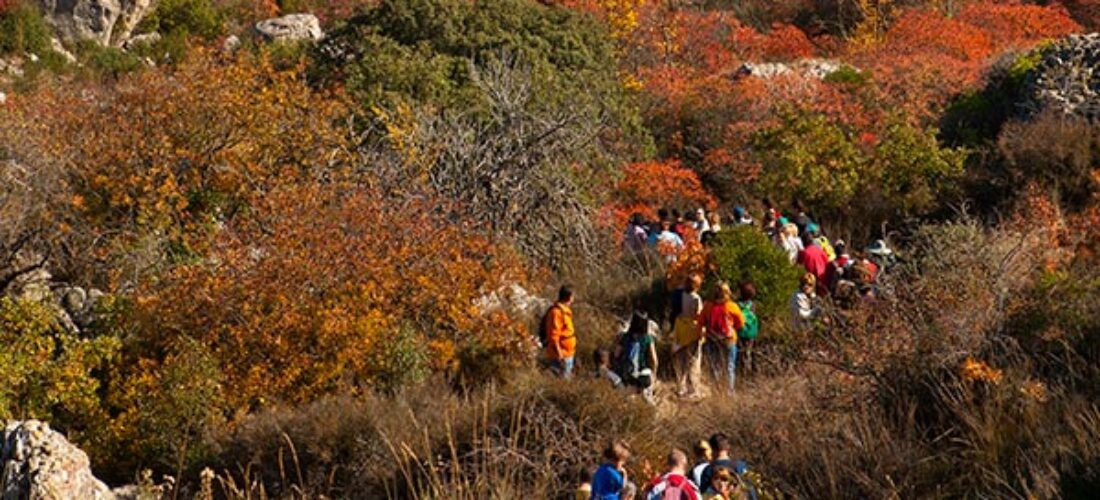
231 43
56 46
291 27
105 22
39 463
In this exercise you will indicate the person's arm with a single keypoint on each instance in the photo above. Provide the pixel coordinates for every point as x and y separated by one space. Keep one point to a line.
737 316
554 331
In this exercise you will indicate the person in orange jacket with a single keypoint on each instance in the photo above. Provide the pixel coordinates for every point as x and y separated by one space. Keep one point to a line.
561 339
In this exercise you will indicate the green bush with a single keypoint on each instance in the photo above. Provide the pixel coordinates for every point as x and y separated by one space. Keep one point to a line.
746 254
109 61
849 75
49 373
22 29
190 17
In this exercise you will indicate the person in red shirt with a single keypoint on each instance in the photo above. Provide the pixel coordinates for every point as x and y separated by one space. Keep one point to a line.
838 267
813 258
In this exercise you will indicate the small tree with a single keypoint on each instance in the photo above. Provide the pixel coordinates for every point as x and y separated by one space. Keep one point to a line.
744 254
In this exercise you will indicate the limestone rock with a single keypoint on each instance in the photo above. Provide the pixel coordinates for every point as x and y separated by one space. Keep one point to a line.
106 22
39 463
812 68
142 40
57 47
513 299
291 27
231 43
1067 78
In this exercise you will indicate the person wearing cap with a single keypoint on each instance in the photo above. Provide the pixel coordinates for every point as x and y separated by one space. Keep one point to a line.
881 254
804 306
741 217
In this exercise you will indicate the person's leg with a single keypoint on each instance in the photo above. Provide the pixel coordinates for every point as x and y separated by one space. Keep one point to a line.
680 360
695 369
731 367
746 348
567 367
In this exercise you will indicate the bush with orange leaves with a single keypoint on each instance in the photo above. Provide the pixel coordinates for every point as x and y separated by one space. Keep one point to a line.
157 161
649 185
322 289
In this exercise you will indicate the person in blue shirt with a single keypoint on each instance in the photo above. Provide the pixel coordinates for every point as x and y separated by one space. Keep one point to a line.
610 478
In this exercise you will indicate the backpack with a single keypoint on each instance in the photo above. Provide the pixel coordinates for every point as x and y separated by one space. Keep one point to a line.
544 331
718 322
752 323
673 487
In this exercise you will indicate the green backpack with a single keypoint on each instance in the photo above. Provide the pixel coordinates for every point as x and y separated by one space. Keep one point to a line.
752 323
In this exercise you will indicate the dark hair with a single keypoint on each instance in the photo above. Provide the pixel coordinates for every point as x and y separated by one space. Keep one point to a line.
748 291
565 293
599 354
768 202
662 214
676 213
584 475
719 442
616 451
807 239
639 323
839 248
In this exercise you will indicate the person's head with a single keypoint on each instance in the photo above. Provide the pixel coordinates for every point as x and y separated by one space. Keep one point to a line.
639 322
748 291
584 475
565 294
807 239
666 225
702 451
662 214
720 444
722 293
677 216
739 213
617 452
840 247
724 481
677 460
636 219
796 204
629 491
768 203
813 229
695 282
808 282
602 357
714 219
700 215
790 229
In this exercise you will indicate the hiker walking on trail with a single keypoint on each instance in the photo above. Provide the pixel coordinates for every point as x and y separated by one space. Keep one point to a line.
636 235
688 339
610 478
703 456
561 339
723 319
674 484
804 306
722 446
636 355
790 242
725 485
813 258
838 268
746 336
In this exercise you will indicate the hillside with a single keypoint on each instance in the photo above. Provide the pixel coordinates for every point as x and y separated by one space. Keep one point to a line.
302 249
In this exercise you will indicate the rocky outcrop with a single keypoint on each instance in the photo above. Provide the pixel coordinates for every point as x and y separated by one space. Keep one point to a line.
1067 78
106 22
291 27
39 463
813 68
512 299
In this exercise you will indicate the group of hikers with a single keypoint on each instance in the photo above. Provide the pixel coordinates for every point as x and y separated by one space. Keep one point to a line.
723 328
714 475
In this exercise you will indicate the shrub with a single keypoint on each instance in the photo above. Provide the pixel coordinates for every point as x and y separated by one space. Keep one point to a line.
190 17
1059 152
50 373
745 254
22 29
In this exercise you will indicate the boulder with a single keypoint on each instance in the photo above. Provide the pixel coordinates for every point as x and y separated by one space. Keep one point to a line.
291 27
811 68
106 22
142 40
1067 78
57 47
39 463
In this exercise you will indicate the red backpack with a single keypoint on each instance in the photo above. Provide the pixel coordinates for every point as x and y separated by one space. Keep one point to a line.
718 322
673 487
